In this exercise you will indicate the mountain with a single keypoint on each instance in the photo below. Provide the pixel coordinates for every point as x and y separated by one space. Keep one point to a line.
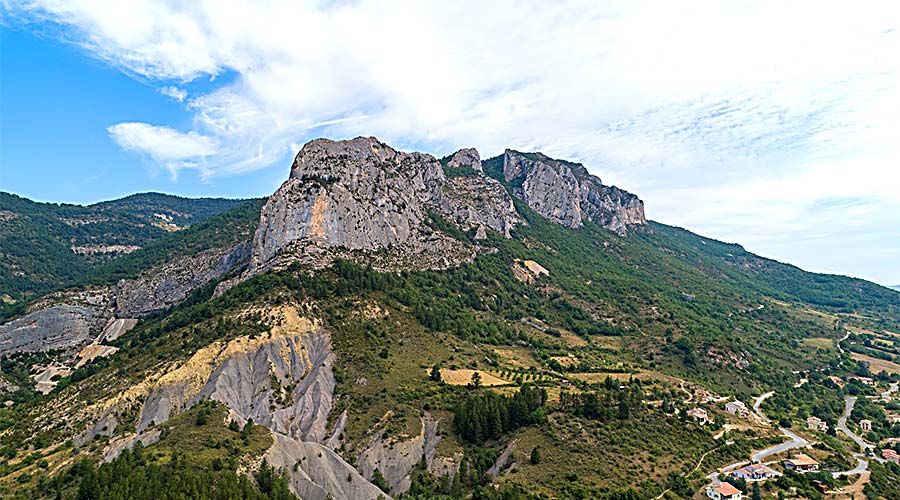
895 287
391 323
44 246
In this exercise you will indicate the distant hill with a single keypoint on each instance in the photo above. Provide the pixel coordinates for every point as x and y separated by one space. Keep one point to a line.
47 245
895 287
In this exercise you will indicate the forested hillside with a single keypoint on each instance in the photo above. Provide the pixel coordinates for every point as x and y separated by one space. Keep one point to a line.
46 246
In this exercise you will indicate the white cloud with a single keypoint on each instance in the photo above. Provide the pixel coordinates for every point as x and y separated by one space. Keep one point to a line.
170 148
174 92
748 111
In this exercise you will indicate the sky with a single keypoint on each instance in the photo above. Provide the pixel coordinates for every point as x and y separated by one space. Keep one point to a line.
775 125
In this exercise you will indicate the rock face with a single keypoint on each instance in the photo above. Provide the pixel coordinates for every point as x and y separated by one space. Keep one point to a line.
72 319
396 459
566 193
284 381
320 473
360 195
467 157
59 327
171 283
475 201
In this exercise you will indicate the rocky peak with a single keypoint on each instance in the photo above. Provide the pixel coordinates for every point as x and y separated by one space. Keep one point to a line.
363 200
567 193
467 157
357 196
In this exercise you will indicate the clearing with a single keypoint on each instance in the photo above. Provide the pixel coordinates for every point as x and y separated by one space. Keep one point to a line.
875 364
463 376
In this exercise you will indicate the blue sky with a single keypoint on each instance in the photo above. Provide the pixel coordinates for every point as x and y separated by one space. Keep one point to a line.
766 123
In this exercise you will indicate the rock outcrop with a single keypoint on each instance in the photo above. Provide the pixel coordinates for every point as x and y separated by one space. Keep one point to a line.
466 158
566 193
172 282
65 327
395 459
475 201
344 198
316 472
283 380
72 319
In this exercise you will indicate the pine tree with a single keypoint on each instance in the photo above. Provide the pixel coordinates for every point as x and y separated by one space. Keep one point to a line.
476 380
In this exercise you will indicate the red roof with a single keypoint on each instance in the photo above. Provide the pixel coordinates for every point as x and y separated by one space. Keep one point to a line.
727 489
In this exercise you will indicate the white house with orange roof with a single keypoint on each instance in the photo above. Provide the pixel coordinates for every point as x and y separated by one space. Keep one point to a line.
723 491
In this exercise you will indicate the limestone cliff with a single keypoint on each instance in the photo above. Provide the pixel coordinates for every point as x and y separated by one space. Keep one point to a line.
566 193
360 196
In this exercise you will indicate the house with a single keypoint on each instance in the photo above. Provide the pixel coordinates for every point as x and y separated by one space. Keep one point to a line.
816 424
893 418
837 381
801 463
699 415
737 407
863 380
890 455
723 491
865 425
754 472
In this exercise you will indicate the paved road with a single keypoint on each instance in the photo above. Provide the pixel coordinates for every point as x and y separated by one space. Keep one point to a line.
794 442
861 463
849 402
759 401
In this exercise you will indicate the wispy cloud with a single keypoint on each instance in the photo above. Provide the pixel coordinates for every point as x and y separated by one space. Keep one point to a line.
752 112
174 92
170 148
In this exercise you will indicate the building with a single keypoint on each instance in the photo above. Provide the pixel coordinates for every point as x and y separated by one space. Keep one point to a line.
723 491
801 463
837 381
699 415
816 424
864 380
890 455
893 418
754 472
737 408
865 425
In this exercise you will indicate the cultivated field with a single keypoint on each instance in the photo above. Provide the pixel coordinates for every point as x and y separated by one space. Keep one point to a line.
877 365
463 376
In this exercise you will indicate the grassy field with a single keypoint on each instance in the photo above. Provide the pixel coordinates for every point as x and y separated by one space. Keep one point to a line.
463 376
877 365
819 343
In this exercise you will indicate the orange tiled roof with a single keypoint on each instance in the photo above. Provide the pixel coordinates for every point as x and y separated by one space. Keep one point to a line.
727 489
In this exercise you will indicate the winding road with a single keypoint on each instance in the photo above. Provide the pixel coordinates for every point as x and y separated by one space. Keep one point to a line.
861 463
759 401
794 442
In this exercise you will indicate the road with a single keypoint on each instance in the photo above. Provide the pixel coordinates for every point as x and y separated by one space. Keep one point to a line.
849 402
893 388
861 463
759 401
795 442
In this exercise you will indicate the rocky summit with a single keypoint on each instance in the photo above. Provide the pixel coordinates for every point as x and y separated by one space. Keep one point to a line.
361 197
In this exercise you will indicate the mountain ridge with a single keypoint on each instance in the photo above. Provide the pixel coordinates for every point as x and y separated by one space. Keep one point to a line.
334 330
